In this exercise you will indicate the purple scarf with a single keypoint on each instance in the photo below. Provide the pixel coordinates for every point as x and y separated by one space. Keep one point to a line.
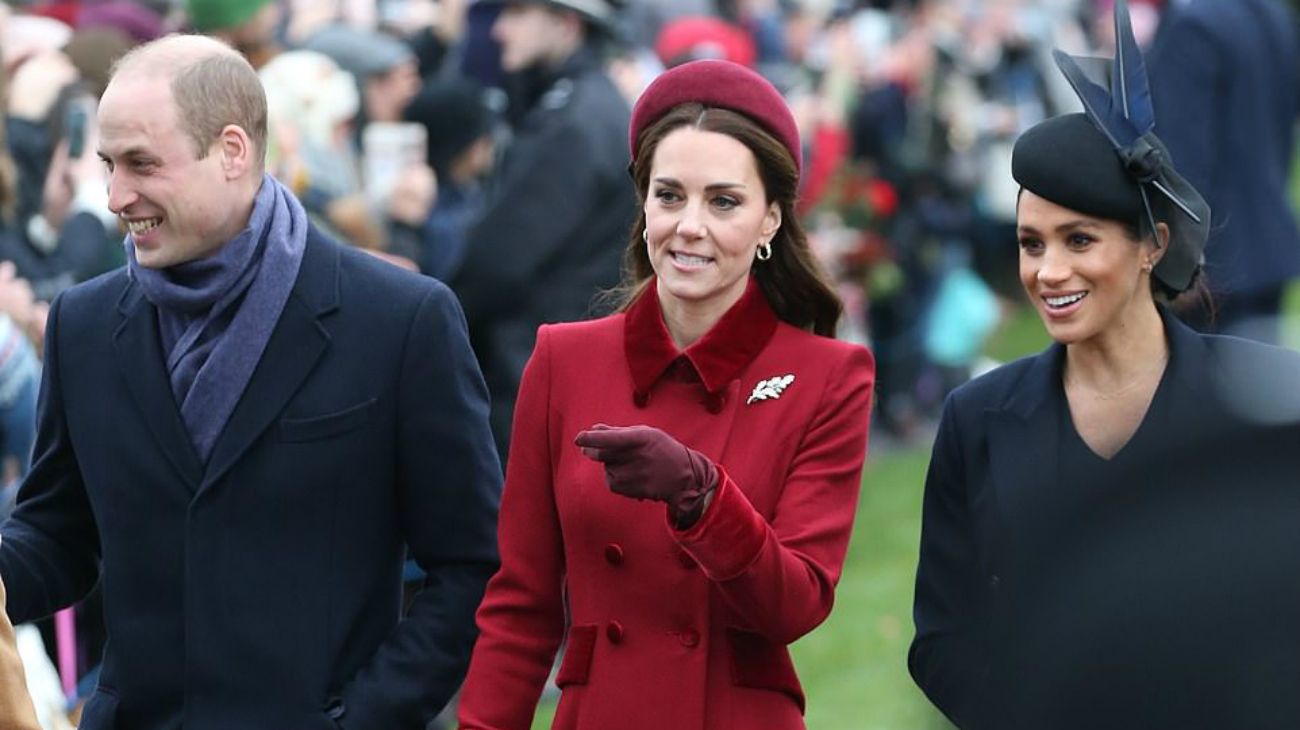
216 314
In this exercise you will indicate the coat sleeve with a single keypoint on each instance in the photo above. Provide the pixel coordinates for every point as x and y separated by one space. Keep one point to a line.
944 659
448 481
521 621
780 578
49 555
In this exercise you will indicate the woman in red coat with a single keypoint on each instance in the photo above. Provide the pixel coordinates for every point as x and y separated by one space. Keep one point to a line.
683 474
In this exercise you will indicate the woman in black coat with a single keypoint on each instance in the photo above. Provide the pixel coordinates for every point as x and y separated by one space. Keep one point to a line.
1111 531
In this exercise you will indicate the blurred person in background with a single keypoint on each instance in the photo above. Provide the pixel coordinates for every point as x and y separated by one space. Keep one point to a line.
57 233
22 323
1225 77
462 152
246 366
684 473
1108 528
140 22
249 26
93 51
312 106
698 37
67 240
435 29
549 237
385 72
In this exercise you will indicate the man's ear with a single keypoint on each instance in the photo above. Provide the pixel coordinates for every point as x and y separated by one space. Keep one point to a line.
237 151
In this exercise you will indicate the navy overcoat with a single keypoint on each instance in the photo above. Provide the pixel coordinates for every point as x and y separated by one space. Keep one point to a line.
263 588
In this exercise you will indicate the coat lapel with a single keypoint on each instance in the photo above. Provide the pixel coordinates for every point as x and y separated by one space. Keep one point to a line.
1024 444
138 353
297 343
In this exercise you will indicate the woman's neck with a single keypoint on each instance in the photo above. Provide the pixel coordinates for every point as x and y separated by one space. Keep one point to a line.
1110 361
688 321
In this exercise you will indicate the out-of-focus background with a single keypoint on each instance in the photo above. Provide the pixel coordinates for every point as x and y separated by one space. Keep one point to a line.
430 134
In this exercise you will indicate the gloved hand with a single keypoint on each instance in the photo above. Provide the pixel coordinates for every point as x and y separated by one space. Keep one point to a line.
645 463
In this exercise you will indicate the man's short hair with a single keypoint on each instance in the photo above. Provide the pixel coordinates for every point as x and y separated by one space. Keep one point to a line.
211 87
219 90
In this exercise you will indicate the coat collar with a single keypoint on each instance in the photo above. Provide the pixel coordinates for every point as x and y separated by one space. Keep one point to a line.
1024 425
718 356
1187 364
299 339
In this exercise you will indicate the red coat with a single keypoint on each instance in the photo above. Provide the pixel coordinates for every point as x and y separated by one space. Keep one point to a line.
671 629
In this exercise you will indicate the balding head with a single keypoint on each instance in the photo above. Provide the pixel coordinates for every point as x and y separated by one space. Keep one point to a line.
211 85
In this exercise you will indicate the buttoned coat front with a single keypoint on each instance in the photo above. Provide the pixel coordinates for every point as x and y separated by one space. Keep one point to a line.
665 628
262 590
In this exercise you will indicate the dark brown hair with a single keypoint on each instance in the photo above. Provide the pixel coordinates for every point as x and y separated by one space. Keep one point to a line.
792 280
1197 297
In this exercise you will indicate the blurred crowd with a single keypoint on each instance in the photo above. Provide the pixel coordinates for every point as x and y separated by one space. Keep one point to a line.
486 146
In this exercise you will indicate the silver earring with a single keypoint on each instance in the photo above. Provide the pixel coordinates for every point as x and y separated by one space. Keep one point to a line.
764 251
645 235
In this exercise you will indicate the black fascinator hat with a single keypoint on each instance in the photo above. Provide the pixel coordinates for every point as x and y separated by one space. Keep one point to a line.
1108 163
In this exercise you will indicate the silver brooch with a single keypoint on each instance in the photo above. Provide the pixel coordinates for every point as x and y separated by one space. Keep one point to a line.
770 389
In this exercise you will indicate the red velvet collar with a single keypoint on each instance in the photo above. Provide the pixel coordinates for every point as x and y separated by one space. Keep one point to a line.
718 356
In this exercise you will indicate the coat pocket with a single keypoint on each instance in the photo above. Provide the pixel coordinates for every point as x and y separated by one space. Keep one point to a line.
762 664
577 656
100 712
330 424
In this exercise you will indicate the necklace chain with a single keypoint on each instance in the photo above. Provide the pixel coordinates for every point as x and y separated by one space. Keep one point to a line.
1137 380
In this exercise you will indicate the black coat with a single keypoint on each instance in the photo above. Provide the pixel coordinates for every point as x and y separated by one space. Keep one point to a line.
1115 596
555 225
1225 82
263 589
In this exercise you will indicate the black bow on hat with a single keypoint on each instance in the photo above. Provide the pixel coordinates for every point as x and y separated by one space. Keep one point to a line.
1117 99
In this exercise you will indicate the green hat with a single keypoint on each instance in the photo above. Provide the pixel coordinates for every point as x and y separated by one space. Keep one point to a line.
207 16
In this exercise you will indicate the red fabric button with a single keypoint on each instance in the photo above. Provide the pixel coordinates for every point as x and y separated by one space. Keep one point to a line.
613 553
685 560
690 638
715 402
614 631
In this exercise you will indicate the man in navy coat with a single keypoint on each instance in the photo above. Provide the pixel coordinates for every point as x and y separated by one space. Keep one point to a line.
243 433
1225 80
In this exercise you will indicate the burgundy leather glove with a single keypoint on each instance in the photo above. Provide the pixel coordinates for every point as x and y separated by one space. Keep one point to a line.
645 463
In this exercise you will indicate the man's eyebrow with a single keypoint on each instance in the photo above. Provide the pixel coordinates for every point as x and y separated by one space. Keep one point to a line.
128 152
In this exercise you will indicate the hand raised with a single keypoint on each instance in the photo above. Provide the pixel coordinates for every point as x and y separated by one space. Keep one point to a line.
643 462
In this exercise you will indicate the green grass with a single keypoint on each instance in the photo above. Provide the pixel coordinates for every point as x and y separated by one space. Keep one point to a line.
854 667
1020 333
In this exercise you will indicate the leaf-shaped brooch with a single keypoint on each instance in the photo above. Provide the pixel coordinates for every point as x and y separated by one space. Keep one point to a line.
770 389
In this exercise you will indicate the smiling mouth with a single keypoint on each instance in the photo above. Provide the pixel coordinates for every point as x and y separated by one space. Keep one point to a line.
143 225
686 259
1062 302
